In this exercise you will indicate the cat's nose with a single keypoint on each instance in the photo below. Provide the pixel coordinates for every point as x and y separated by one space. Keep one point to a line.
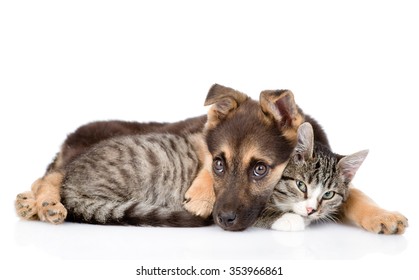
310 210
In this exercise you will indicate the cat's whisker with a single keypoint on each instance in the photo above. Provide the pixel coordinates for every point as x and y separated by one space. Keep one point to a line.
314 183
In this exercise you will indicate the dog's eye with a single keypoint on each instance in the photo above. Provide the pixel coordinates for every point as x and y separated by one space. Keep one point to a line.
218 165
260 170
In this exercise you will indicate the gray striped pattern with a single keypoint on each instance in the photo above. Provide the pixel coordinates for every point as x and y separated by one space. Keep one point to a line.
321 171
139 180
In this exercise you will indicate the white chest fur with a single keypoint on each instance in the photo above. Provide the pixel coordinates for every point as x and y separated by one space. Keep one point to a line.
289 222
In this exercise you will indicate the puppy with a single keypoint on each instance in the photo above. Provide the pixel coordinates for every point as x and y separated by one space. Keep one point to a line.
250 143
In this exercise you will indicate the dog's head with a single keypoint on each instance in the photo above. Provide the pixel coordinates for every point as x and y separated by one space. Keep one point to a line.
250 144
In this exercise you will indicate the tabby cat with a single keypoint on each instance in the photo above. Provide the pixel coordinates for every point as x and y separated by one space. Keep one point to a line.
313 186
135 180
142 180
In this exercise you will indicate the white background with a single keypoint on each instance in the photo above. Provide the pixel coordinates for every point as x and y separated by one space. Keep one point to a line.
353 66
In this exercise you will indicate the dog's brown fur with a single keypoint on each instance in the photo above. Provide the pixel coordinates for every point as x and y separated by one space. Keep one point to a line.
363 212
43 201
240 148
241 133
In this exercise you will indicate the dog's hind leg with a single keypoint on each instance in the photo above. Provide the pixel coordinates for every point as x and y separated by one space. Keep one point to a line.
47 196
43 201
25 205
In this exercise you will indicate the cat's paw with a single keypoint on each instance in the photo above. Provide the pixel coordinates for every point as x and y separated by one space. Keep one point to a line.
25 205
385 222
289 222
51 211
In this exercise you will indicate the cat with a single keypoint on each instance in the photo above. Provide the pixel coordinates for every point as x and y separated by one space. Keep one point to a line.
125 180
136 180
43 201
313 186
143 180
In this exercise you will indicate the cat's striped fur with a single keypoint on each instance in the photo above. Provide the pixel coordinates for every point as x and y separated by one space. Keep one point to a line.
136 180
43 201
141 180
313 187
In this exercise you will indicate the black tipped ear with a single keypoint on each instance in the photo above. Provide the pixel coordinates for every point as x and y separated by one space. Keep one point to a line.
223 100
349 165
305 142
281 106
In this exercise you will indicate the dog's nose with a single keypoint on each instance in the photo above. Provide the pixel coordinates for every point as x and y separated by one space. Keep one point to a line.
227 219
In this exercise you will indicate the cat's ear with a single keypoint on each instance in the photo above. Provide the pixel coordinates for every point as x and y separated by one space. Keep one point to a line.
305 142
224 100
281 106
349 165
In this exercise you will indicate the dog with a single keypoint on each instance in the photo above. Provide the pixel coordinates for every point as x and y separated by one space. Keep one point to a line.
250 143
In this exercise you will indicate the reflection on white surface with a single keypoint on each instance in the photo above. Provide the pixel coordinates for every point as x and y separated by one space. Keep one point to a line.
81 241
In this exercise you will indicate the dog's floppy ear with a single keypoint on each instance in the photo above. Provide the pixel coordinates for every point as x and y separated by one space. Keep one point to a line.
224 100
281 106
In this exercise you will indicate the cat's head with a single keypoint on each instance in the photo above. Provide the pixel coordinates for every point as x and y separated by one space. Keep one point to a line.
316 181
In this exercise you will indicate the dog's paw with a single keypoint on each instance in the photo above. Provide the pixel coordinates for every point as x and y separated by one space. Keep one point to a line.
199 201
202 208
25 205
51 211
200 197
385 222
289 222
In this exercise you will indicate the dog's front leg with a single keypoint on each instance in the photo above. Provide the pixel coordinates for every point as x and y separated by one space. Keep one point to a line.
200 197
362 211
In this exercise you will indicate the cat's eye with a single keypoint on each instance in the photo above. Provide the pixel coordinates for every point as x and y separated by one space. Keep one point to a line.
218 165
260 170
301 186
328 195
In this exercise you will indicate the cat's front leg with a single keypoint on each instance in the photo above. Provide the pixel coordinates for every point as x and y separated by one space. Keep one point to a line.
363 212
289 222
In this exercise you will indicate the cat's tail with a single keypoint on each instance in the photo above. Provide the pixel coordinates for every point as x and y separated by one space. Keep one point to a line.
131 213
139 214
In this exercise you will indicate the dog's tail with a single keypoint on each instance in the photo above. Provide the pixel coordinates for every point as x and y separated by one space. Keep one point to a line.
92 211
